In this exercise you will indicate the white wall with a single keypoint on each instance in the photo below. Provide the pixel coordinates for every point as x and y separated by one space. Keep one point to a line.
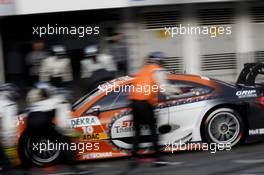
162 2
244 42
7 7
44 6
191 47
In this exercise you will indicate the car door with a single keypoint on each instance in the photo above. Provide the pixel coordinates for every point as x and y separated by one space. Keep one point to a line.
184 110
115 117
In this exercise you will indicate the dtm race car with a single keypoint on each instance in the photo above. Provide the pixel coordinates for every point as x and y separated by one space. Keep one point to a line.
207 110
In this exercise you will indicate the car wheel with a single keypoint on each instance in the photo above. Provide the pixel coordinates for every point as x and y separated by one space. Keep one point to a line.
223 125
30 153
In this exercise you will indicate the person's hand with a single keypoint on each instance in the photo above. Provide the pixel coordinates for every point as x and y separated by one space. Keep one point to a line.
178 91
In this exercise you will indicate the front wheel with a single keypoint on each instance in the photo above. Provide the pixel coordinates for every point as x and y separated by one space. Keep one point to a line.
33 149
223 125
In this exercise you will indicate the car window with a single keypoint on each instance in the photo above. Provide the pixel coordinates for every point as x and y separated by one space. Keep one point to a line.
85 99
106 102
122 99
113 100
189 89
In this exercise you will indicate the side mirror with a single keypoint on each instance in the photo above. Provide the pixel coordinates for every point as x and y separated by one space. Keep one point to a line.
95 110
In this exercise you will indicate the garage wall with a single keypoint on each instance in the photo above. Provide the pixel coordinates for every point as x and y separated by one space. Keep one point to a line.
2 73
153 37
218 54
221 57
257 18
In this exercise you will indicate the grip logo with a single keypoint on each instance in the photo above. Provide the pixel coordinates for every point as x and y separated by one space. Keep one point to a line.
246 93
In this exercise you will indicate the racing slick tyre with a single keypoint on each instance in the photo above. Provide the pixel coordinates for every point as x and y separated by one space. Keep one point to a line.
31 153
223 125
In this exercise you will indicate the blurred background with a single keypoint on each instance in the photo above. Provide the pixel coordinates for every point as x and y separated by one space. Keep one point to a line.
141 24
128 31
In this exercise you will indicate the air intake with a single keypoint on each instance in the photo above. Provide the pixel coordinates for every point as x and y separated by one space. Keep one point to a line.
174 64
159 20
257 14
216 16
218 62
259 56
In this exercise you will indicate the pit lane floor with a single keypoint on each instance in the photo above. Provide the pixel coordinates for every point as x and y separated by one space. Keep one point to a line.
243 160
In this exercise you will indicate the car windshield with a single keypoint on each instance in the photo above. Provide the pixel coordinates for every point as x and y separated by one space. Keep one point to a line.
86 98
230 84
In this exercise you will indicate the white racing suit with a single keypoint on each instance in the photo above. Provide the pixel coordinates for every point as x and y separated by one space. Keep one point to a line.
8 131
104 61
62 110
54 67
8 116
42 114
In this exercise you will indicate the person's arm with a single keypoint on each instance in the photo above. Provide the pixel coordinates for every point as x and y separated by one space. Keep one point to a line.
44 72
68 71
63 113
165 87
9 122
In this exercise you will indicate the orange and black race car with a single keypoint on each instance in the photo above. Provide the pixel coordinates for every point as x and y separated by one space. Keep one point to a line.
208 111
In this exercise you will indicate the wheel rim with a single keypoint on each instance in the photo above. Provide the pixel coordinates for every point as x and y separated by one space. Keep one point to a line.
224 127
43 157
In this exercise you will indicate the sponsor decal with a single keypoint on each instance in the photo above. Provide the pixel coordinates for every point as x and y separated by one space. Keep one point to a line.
183 101
124 118
91 137
87 129
124 127
85 121
259 131
121 128
97 155
246 93
98 136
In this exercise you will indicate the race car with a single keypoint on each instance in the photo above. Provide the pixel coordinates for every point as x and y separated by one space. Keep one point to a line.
207 110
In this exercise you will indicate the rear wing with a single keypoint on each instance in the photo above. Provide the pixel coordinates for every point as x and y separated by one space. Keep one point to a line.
249 73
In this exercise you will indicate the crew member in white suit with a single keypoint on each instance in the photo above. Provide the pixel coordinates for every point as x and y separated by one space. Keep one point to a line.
93 61
57 68
46 100
8 125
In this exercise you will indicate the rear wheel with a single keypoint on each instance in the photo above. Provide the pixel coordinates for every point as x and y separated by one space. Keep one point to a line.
223 125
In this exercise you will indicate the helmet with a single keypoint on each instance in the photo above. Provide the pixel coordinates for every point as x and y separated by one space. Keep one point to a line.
10 90
40 91
42 85
58 50
90 51
156 57
45 89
